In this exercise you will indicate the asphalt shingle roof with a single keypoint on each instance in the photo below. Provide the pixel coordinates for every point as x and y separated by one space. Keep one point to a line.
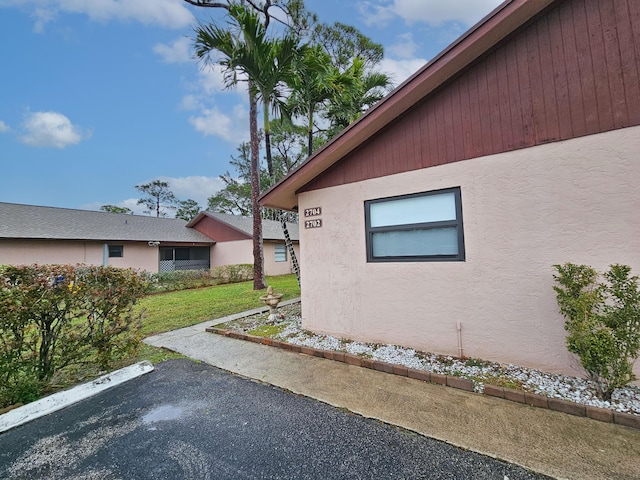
271 229
29 221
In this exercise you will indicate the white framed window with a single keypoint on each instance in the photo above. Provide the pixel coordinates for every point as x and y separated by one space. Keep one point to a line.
280 252
420 227
116 251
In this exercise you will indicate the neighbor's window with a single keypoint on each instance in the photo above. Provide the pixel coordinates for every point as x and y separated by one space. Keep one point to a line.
281 252
415 228
116 251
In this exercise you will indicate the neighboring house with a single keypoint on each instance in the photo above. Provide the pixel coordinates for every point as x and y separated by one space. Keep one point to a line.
434 221
35 234
234 241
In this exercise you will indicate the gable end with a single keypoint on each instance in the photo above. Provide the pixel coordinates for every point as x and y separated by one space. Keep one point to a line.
571 71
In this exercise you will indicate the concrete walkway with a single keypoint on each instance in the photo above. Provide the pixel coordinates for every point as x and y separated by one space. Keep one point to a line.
549 442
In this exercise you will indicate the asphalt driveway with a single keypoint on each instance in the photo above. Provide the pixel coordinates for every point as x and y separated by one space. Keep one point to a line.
188 420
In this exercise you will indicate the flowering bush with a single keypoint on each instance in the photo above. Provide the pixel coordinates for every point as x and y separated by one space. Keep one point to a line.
52 316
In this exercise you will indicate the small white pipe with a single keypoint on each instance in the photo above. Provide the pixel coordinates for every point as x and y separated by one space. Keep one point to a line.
459 328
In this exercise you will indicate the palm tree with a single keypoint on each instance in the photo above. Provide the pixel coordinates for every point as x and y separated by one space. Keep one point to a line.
259 281
231 47
366 88
336 79
316 81
267 64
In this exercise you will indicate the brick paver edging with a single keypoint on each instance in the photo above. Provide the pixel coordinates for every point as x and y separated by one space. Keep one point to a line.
532 399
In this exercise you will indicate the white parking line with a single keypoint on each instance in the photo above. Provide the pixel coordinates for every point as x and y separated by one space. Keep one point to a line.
63 399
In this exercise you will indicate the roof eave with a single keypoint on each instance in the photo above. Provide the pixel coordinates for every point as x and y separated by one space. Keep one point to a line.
107 239
479 39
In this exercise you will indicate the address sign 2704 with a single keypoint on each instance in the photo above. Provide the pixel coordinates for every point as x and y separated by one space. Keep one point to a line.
313 212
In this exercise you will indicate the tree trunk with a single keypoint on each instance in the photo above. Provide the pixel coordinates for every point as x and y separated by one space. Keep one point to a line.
310 133
272 175
267 140
258 255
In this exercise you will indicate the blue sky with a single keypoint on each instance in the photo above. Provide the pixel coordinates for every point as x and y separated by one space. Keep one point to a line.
101 95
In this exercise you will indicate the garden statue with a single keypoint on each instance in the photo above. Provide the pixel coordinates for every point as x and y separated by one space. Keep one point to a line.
272 299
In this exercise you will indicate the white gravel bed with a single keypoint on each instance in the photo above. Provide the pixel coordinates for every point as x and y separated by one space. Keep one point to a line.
574 389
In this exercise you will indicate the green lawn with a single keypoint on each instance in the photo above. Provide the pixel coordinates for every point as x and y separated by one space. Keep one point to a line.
164 312
170 311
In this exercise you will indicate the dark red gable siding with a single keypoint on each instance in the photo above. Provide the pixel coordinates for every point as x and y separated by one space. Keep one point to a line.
219 231
572 71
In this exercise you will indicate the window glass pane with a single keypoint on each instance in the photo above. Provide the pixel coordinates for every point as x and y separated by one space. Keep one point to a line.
182 253
116 251
166 253
405 211
200 253
434 241
280 252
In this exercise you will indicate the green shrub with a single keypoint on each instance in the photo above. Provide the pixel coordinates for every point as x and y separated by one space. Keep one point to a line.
52 316
109 323
240 272
602 321
181 280
185 279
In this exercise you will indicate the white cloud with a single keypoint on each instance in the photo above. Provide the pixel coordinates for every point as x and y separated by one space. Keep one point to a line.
208 117
43 16
209 82
211 79
190 102
400 70
213 122
165 13
179 51
436 12
404 48
132 204
198 188
4 127
376 14
51 129
431 12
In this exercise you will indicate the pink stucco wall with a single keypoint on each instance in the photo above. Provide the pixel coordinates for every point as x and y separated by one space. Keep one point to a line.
137 255
271 267
231 253
24 252
241 251
523 211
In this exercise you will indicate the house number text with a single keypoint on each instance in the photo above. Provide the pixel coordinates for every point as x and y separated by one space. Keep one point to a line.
312 212
317 223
